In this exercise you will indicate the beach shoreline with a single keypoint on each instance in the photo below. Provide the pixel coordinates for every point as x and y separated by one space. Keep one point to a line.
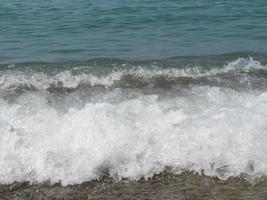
161 186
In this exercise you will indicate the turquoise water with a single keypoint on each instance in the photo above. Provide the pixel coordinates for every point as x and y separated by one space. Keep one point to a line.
58 30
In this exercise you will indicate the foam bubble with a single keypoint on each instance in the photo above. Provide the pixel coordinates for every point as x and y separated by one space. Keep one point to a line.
211 130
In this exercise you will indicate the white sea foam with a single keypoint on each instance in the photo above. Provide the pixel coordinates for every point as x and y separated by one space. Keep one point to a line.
217 131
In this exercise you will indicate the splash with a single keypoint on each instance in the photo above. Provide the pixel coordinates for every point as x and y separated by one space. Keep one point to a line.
209 129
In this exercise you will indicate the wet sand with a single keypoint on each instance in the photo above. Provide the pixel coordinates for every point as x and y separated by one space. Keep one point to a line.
162 186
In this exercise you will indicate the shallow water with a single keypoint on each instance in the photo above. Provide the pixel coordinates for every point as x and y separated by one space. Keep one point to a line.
119 92
62 122
161 186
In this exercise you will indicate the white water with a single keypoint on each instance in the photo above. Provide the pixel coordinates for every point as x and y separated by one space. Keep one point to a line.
208 130
212 130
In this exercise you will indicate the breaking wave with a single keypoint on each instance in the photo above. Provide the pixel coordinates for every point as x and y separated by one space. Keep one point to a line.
66 126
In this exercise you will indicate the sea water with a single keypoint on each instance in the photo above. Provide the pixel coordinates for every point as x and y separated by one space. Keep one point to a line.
134 87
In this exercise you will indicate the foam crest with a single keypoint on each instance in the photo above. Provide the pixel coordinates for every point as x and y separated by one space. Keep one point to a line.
211 130
70 79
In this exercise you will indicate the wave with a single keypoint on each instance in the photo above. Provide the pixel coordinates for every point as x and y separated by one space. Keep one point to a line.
218 132
246 73
133 130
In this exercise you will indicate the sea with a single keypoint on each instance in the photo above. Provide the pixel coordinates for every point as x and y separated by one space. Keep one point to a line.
132 87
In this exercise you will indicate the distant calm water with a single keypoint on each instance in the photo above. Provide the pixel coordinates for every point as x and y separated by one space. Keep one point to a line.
131 88
57 30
